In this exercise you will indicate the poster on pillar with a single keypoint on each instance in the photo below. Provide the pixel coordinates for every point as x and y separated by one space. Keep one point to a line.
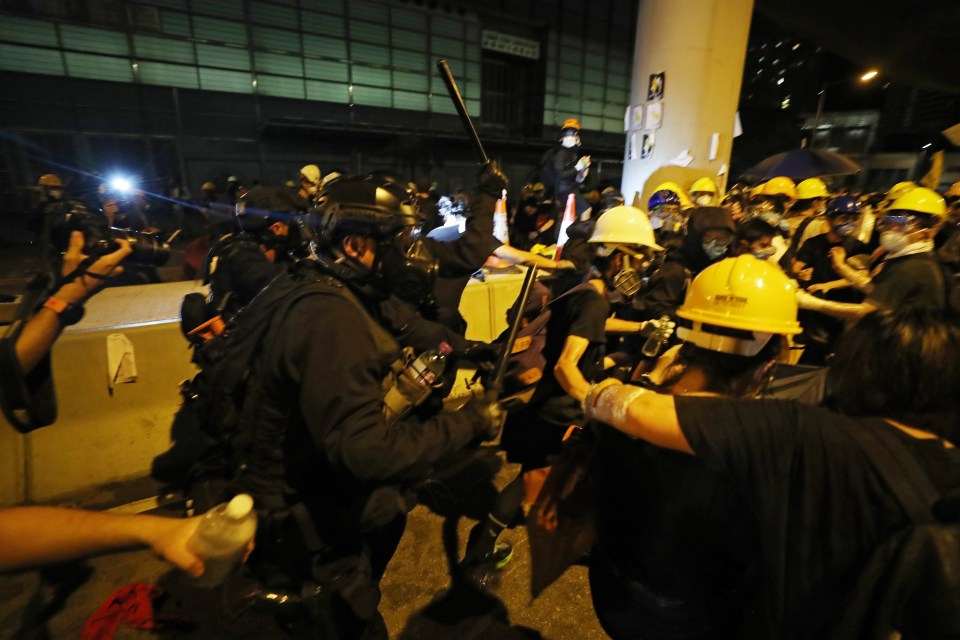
636 116
655 87
646 147
633 146
654 117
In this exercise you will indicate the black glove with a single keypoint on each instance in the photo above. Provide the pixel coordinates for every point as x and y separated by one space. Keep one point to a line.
487 418
492 180
481 352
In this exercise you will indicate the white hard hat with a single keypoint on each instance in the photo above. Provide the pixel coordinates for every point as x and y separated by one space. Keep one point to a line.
624 225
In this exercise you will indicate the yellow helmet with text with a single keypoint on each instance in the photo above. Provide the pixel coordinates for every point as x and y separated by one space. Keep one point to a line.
736 305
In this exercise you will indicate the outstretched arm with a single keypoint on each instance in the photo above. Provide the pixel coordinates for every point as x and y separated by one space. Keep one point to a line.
33 536
639 413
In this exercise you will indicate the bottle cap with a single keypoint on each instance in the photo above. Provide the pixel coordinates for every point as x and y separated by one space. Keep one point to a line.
240 507
445 349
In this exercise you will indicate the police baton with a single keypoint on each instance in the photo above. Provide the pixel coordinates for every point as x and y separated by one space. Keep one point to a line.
461 108
495 385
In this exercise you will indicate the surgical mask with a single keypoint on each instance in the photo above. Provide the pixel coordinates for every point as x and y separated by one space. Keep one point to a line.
704 201
845 229
570 141
764 254
716 249
894 241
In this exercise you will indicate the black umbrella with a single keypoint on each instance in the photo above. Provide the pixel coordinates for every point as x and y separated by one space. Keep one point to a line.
800 164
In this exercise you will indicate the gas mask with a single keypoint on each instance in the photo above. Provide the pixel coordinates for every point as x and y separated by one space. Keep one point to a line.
716 249
629 279
406 267
570 141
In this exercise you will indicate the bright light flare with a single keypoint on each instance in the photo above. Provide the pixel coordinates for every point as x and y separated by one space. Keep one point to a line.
869 75
121 185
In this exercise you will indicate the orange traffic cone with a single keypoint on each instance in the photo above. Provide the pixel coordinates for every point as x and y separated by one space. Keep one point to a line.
569 215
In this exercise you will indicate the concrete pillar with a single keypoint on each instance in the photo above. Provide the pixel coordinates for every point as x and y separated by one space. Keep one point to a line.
700 45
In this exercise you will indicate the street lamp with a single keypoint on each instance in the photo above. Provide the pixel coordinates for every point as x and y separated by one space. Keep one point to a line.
866 77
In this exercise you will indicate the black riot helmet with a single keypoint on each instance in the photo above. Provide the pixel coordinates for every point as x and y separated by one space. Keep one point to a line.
258 210
388 213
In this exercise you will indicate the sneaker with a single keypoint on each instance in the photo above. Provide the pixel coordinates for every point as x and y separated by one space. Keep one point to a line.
482 572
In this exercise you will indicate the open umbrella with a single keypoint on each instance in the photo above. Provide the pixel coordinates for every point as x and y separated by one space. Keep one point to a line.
800 164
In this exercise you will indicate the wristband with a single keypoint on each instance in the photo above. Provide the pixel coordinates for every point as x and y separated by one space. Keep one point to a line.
68 313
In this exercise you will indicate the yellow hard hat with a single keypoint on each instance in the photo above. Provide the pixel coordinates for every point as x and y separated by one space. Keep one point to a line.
50 180
208 186
921 200
571 123
685 202
742 293
311 172
900 189
953 191
780 186
812 188
624 225
704 185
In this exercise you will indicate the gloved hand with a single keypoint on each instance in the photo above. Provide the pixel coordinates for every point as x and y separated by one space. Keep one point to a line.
492 180
478 352
488 418
582 163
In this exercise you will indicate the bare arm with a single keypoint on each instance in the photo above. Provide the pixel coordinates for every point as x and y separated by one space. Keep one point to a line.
842 310
618 325
43 329
33 536
518 256
639 413
567 373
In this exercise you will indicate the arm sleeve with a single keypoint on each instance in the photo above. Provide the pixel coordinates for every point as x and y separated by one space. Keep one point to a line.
331 353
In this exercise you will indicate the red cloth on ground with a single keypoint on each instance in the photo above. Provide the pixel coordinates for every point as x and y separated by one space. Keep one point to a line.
132 604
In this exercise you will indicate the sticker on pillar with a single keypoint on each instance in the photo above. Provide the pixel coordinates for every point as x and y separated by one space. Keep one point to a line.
636 117
654 115
655 87
633 146
646 147
121 363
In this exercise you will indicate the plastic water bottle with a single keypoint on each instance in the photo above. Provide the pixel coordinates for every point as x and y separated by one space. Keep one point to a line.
428 368
659 337
222 538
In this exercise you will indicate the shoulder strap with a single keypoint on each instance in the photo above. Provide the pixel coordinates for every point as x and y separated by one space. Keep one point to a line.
898 466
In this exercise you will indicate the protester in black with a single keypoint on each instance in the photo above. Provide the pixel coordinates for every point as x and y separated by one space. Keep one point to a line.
822 505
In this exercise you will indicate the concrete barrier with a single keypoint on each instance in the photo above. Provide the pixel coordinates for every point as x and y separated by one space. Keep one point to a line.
105 436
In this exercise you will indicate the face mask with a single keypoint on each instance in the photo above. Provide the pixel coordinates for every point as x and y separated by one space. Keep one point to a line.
704 201
715 248
843 230
764 254
570 141
894 241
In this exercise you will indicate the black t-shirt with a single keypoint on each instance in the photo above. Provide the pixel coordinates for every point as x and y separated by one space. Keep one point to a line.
581 313
815 253
910 281
673 524
820 505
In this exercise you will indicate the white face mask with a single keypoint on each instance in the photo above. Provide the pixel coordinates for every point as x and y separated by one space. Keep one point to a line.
894 241
570 141
704 201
